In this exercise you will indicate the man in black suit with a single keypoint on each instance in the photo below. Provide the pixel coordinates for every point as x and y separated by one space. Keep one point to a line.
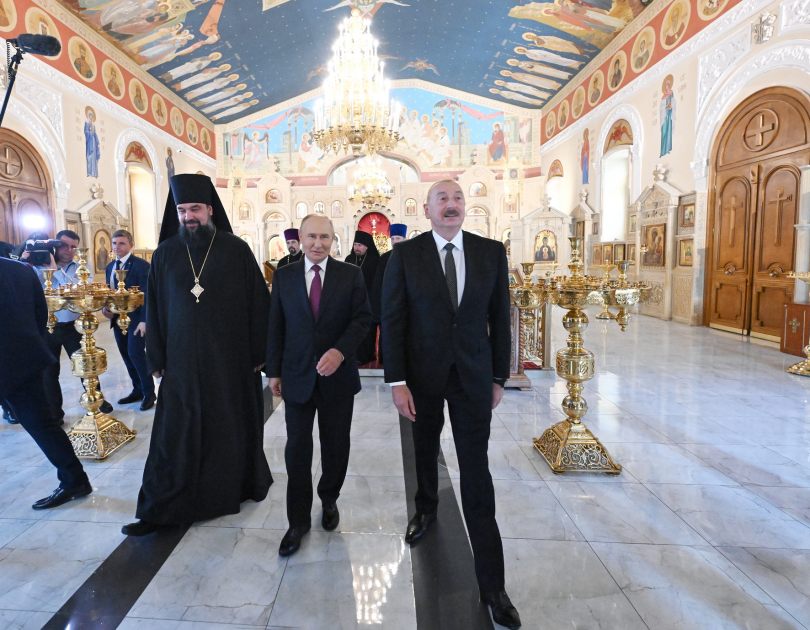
132 346
446 336
319 314
24 356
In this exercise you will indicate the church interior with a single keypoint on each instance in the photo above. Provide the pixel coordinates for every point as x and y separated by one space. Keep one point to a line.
649 158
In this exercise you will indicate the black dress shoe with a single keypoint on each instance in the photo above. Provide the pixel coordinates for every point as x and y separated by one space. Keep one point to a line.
331 517
503 612
105 407
61 496
292 540
148 402
131 398
139 528
418 526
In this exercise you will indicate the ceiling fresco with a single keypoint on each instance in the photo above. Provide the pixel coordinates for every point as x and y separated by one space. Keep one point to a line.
232 58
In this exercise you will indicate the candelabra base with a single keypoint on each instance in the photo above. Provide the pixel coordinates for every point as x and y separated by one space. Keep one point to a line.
802 368
570 446
98 436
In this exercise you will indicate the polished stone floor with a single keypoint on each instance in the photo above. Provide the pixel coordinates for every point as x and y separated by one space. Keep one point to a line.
708 526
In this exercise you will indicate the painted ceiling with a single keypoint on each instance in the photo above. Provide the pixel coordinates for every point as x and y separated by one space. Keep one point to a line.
232 58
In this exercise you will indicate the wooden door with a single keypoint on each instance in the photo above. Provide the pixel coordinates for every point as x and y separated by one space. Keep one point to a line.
754 208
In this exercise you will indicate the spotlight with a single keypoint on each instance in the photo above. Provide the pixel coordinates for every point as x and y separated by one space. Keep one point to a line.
33 222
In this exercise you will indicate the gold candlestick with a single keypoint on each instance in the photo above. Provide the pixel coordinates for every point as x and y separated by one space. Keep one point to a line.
802 368
97 434
527 297
569 445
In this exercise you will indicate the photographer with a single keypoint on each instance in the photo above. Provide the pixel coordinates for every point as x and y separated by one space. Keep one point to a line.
23 314
64 333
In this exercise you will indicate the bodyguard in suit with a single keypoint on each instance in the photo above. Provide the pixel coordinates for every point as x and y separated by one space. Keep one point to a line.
132 346
446 336
319 314
24 357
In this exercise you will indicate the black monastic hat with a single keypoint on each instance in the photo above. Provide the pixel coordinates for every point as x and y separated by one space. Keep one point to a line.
364 238
192 188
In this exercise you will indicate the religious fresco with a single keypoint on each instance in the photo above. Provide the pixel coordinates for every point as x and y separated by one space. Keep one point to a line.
620 133
555 170
81 58
136 153
666 31
435 131
92 145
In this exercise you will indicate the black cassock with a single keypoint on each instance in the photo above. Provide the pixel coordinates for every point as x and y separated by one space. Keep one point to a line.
205 455
368 263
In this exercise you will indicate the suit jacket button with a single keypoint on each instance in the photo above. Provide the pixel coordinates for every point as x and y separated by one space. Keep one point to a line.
455 325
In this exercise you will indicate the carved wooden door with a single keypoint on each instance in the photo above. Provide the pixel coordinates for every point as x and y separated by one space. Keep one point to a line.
755 207
24 190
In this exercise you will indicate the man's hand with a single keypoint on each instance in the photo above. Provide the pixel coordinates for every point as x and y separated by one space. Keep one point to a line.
403 400
107 313
329 362
140 328
275 386
256 369
497 395
158 374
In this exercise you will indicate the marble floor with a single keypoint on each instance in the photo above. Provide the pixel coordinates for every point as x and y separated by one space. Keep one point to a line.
707 527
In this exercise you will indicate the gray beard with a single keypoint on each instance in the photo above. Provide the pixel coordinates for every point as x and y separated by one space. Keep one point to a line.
199 236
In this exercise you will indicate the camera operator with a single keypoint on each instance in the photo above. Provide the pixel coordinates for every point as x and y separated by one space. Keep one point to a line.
64 333
23 316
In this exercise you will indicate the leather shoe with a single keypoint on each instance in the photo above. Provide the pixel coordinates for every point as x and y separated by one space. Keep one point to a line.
61 496
418 526
503 612
139 528
331 516
148 402
106 407
131 398
292 540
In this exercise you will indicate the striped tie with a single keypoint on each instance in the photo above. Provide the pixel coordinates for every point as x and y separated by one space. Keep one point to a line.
450 274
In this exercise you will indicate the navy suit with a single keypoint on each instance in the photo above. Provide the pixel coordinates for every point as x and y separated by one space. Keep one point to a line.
24 356
131 346
295 344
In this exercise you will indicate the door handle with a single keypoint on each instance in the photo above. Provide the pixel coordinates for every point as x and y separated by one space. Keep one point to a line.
728 272
774 273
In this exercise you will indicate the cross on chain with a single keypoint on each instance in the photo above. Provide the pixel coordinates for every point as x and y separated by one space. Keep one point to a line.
733 210
11 160
777 239
760 133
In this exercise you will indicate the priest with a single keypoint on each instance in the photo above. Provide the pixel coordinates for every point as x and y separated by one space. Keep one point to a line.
397 232
207 312
294 247
366 256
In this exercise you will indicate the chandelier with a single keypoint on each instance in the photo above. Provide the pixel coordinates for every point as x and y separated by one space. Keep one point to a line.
371 187
356 110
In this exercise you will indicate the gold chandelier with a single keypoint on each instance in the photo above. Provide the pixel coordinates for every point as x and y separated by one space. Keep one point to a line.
371 187
356 110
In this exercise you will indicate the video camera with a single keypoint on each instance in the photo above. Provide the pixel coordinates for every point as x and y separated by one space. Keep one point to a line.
41 251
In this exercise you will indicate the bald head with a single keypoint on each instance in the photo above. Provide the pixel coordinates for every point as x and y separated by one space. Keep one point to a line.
317 234
445 208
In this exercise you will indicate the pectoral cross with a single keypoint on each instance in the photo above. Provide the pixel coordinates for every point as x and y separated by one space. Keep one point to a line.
777 237
732 228
794 325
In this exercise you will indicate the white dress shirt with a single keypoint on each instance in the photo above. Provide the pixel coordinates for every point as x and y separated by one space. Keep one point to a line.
121 262
309 272
458 256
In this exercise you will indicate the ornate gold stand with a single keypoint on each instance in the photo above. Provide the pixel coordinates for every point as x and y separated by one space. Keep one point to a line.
569 445
802 368
97 434
528 298
606 269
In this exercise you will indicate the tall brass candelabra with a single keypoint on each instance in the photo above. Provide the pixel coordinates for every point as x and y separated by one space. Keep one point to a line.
569 445
97 434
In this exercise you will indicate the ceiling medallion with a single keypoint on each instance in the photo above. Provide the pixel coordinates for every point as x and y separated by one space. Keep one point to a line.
356 110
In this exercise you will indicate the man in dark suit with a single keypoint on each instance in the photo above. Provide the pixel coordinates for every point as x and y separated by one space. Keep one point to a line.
24 356
319 314
446 336
132 346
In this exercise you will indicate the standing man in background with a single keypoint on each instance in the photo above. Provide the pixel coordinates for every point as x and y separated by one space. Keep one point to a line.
319 314
294 247
132 346
446 335
64 333
397 232
366 256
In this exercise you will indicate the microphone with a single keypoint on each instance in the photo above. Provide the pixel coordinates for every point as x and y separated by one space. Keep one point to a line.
45 45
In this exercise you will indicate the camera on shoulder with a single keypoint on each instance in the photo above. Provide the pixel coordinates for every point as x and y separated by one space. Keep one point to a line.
41 251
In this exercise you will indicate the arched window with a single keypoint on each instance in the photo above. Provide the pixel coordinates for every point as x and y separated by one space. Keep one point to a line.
301 209
615 193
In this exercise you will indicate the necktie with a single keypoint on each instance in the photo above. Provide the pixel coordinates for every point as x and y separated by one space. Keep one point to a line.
450 274
315 291
113 277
